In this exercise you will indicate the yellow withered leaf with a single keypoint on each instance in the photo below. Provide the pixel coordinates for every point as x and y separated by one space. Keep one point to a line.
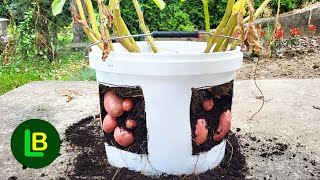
238 7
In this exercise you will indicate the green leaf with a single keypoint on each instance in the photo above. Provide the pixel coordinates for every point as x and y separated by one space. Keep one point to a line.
160 3
57 6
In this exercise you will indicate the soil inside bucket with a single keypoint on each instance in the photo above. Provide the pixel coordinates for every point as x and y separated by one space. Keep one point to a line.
221 96
86 139
140 144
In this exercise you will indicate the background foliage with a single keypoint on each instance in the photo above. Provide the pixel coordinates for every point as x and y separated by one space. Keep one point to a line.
39 47
189 14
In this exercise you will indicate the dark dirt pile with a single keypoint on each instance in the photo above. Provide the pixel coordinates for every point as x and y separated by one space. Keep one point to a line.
276 152
86 138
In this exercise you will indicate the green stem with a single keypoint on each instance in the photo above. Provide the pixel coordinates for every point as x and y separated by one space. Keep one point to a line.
86 29
121 28
230 24
207 18
221 25
235 43
92 19
118 24
225 43
127 33
143 26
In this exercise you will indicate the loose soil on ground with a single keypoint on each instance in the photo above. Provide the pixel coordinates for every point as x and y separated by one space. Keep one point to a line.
86 138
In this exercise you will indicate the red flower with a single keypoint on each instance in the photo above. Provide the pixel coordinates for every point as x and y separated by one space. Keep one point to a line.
279 33
258 27
312 28
262 33
295 32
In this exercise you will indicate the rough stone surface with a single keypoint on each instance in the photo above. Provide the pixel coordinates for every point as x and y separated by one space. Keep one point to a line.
288 117
296 19
47 101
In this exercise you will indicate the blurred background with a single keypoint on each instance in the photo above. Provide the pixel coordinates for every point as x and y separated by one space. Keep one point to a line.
35 45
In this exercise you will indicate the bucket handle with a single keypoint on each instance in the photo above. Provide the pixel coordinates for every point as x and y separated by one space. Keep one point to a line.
162 34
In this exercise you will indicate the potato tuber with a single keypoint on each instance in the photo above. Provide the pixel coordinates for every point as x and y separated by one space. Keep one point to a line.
208 104
123 137
109 124
127 104
131 124
224 126
201 131
113 104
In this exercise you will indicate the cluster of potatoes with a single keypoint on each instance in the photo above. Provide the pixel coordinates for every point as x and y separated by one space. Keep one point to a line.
201 131
115 107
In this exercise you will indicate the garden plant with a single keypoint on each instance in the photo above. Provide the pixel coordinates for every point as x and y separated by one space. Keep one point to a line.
133 108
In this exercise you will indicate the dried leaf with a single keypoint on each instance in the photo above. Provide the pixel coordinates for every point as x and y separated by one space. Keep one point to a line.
250 34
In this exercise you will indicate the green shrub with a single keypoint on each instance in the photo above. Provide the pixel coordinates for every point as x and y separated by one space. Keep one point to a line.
187 15
286 5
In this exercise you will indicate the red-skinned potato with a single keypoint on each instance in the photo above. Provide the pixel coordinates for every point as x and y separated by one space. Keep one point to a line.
131 124
208 104
109 124
127 104
224 126
201 131
123 137
113 104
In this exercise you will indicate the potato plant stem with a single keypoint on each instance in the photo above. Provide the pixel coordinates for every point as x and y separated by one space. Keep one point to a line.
232 21
92 19
143 26
86 28
117 23
127 33
104 23
121 28
226 41
235 43
81 12
207 18
221 26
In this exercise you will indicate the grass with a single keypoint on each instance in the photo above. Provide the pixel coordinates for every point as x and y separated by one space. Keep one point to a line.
71 66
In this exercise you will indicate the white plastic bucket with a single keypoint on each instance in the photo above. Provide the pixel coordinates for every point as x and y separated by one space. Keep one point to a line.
166 79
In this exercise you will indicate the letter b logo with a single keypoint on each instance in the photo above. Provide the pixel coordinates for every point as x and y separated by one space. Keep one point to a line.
35 143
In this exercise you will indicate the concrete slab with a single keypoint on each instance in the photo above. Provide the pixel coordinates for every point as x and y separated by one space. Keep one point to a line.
288 117
48 101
